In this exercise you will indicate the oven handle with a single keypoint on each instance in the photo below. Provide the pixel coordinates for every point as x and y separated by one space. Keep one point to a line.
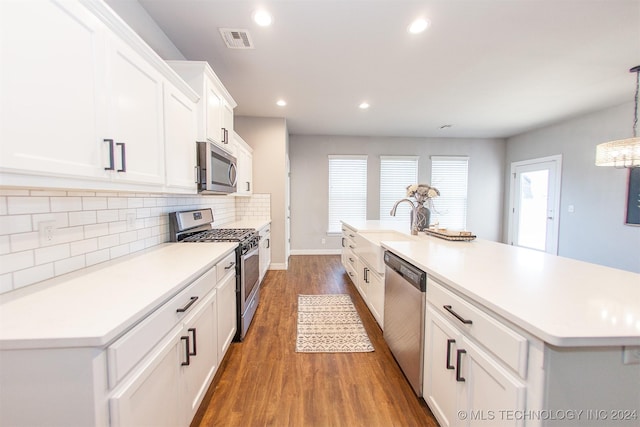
251 252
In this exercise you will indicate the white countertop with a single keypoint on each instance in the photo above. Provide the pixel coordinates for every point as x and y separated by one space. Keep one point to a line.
563 302
92 307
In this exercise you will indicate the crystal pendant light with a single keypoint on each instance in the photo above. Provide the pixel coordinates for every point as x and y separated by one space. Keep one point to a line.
623 153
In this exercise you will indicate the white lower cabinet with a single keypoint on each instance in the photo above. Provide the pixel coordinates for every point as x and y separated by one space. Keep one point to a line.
227 312
464 385
375 295
264 250
152 395
199 360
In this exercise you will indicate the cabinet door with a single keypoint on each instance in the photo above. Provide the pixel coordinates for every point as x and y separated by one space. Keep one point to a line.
245 165
151 396
265 251
442 341
51 102
227 122
363 277
180 140
135 115
201 329
227 320
489 389
214 114
375 296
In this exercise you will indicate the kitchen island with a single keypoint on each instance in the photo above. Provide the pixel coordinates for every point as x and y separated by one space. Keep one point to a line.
553 341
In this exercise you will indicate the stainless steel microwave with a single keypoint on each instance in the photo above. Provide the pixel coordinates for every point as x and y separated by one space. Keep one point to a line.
217 170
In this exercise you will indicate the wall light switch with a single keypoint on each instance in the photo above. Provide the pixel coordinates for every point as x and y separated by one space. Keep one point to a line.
631 355
131 221
570 208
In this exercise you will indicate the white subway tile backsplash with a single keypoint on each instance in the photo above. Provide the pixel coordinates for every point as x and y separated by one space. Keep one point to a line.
32 275
10 224
92 227
22 205
52 253
16 261
66 204
82 218
83 246
68 265
94 203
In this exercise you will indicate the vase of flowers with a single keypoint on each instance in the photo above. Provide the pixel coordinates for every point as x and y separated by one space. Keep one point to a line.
420 214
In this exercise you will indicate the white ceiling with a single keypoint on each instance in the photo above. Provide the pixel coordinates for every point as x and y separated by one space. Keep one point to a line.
489 68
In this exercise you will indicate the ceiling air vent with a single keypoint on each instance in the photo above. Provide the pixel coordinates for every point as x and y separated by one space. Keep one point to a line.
236 39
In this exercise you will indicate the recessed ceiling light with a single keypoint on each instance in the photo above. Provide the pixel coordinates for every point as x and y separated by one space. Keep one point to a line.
281 103
418 26
262 18
364 105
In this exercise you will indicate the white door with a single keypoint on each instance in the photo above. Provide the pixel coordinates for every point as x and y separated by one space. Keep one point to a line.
535 204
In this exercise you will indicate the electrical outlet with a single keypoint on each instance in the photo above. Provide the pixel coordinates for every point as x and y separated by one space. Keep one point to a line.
47 230
323 241
631 355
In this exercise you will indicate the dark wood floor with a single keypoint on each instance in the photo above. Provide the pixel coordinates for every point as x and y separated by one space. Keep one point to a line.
264 382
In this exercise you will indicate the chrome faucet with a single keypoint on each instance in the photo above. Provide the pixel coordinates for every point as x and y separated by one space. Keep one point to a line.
414 216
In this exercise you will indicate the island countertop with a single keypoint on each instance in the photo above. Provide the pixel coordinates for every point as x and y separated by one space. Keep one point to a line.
564 302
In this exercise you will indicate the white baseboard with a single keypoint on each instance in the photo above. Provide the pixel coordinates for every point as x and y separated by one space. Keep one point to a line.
277 266
316 251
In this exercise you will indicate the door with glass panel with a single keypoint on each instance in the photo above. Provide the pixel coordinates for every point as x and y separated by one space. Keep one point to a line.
535 201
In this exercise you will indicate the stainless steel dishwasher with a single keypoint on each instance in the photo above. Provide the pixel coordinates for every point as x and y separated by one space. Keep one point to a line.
404 307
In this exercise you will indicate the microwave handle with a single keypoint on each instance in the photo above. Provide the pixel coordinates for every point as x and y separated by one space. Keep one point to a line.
233 174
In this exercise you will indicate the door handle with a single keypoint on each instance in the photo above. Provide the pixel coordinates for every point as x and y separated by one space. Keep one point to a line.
122 157
111 160
187 353
448 362
192 330
459 378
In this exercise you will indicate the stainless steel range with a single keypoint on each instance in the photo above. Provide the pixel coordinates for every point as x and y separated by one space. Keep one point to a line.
197 226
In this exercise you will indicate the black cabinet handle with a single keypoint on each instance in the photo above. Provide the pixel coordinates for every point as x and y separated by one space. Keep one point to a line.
122 157
458 365
449 365
192 300
187 353
268 243
192 330
366 275
111 161
456 315
248 186
230 265
343 245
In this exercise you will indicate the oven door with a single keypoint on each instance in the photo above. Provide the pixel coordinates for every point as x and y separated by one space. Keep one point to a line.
249 275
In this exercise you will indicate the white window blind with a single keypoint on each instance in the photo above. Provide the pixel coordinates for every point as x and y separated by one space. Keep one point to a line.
450 176
396 174
347 190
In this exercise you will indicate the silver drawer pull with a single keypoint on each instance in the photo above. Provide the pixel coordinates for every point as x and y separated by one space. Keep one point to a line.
456 315
192 300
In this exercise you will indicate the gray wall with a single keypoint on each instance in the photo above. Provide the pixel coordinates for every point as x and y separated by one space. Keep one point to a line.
269 138
309 181
595 231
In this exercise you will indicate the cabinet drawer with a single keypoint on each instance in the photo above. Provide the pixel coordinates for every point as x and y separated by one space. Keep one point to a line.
127 351
351 258
351 271
226 265
502 341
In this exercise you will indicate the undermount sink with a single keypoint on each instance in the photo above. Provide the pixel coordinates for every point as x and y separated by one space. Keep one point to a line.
368 246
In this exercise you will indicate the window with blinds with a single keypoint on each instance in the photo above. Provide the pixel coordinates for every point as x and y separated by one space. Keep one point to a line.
450 176
396 174
347 190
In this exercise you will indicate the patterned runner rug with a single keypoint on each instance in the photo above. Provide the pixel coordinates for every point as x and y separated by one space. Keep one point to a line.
330 324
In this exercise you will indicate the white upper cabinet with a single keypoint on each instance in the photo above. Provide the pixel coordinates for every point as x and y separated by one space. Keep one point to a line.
135 115
180 141
215 109
244 154
82 102
52 109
